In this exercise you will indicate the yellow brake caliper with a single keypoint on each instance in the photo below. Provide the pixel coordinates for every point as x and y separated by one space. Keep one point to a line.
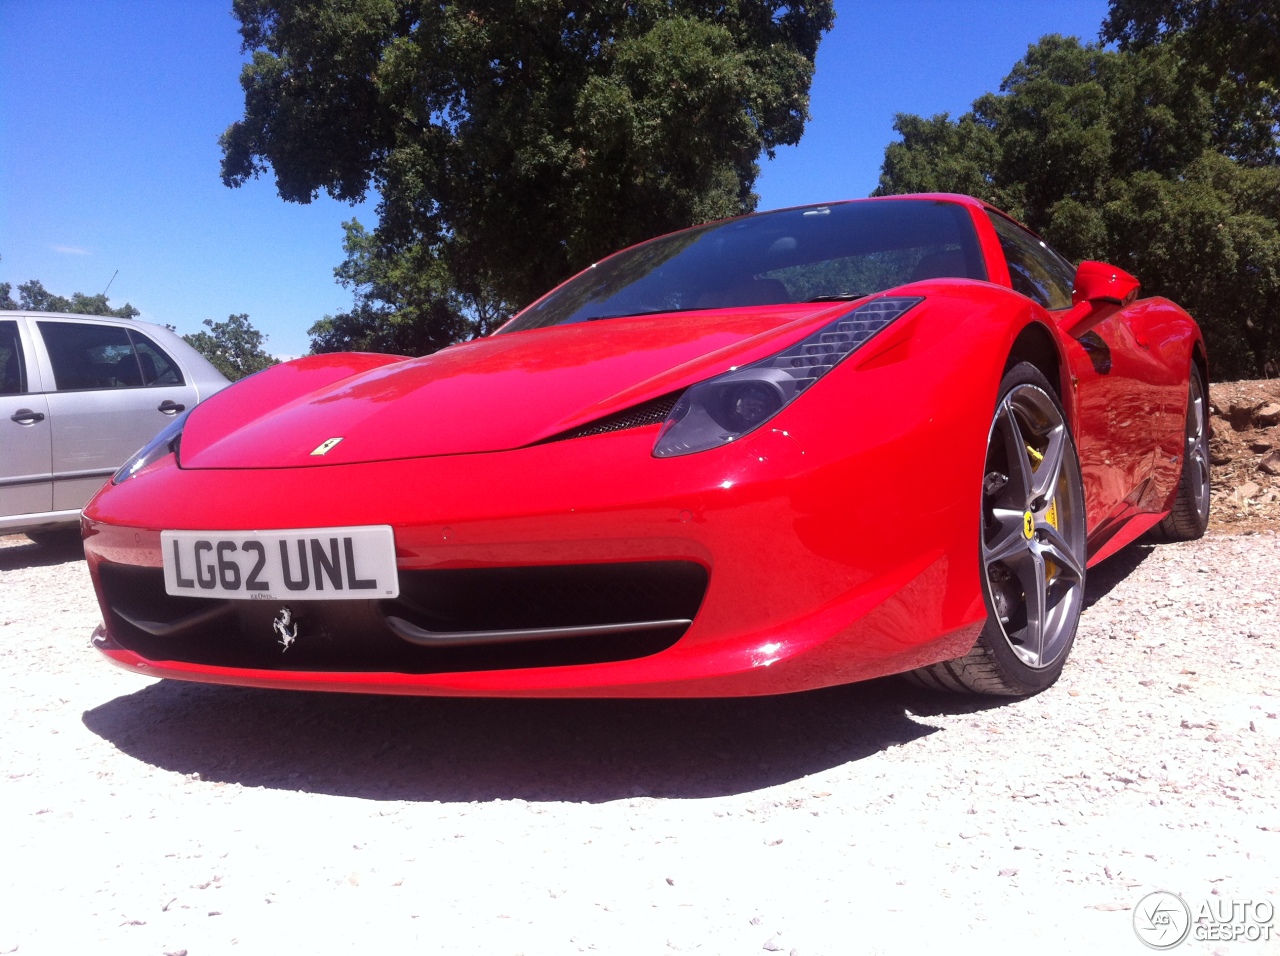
1051 515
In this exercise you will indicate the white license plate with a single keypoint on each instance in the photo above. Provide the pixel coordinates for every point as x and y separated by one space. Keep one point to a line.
305 564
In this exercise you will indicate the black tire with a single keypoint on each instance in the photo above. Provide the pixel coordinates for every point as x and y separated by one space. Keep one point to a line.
1189 517
1032 573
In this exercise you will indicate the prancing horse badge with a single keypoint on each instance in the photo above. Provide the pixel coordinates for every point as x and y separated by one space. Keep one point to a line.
326 446
286 627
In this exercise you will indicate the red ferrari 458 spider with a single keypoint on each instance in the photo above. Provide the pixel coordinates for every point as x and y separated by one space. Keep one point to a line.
778 452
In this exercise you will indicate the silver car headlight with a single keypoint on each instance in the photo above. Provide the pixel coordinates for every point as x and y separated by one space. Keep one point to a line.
164 443
724 408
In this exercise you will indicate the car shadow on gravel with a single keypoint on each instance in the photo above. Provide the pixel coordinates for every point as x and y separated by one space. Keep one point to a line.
1103 578
60 550
458 749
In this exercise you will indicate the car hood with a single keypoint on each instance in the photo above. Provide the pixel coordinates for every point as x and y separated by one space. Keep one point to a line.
493 394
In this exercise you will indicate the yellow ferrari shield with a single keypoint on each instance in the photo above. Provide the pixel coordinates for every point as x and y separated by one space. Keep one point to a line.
1028 525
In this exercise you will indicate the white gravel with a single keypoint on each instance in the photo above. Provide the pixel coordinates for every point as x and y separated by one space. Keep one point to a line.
148 817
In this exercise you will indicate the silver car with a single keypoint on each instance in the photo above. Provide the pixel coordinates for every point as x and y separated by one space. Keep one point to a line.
79 394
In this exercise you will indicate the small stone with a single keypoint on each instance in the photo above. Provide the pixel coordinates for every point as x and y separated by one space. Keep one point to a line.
1248 490
1270 463
772 945
1240 416
1267 415
1009 871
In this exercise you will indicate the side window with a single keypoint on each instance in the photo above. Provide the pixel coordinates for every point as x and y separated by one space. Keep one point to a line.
157 367
1035 270
13 368
90 356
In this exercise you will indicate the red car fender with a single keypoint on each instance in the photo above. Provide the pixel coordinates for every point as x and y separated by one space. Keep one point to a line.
914 407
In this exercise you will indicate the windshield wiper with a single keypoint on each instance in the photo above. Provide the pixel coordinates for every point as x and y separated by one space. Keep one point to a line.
624 315
839 297
632 315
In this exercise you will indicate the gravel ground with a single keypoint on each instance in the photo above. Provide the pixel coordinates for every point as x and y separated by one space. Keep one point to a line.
159 817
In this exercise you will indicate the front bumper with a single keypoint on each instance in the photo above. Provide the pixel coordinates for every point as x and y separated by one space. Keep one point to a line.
820 571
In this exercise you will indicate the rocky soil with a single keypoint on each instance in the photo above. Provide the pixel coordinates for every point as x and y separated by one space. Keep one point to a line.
144 817
1245 453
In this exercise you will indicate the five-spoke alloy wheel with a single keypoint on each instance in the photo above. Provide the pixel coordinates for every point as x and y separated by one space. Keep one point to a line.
1032 546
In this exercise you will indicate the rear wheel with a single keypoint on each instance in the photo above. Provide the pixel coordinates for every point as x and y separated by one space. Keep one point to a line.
1190 514
1032 547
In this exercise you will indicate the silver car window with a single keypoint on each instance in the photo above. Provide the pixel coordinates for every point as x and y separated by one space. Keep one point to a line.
13 366
86 356
157 367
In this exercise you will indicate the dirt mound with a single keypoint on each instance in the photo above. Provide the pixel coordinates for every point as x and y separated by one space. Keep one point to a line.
1245 454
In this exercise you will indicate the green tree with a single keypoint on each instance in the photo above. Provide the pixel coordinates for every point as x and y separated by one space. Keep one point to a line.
1124 157
403 303
1236 41
512 143
234 346
34 297
1237 36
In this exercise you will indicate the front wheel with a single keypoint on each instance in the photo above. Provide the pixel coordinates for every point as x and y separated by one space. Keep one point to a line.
1031 545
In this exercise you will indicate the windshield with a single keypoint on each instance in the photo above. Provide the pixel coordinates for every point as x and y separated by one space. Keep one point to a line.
810 254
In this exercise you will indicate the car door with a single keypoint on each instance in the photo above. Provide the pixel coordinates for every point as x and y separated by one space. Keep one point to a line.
1115 381
114 389
26 482
1158 331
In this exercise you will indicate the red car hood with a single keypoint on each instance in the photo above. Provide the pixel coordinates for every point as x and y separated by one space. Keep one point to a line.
493 394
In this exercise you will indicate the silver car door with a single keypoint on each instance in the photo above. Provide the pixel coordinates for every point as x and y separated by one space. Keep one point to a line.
26 484
114 389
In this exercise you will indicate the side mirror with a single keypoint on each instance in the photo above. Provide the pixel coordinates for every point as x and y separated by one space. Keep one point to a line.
1099 282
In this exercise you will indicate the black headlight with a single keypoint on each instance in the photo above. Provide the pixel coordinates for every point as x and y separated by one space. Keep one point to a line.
166 442
726 407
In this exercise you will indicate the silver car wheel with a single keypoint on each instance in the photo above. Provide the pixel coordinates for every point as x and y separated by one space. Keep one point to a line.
1197 450
1033 542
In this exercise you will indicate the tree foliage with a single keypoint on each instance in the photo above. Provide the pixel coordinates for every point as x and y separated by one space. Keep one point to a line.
234 347
1241 37
512 142
1236 41
1133 157
404 303
34 297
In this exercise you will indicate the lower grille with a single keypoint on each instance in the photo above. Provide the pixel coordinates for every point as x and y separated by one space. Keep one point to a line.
444 620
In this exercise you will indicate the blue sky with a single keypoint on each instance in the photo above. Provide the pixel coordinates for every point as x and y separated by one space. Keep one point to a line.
110 111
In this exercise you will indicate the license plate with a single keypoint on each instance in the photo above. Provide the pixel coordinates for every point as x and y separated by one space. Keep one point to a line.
305 564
